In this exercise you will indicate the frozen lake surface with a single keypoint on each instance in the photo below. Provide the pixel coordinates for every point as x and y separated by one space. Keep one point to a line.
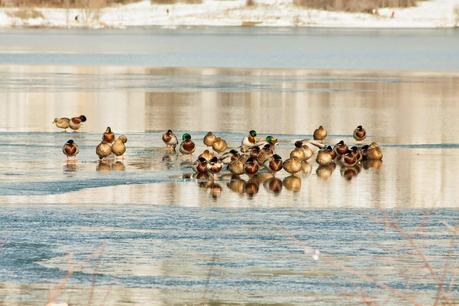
143 230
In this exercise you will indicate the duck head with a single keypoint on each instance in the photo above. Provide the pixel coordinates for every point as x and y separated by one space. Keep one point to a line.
186 137
83 118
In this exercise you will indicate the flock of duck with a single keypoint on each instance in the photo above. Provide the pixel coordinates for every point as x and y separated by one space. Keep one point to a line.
254 155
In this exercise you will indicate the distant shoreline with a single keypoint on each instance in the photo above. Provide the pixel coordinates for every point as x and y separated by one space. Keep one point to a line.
266 13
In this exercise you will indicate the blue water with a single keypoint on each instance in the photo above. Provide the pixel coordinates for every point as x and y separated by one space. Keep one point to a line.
232 253
376 49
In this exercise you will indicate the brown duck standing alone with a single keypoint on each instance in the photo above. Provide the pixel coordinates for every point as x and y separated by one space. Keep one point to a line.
70 149
359 133
320 133
108 136
170 139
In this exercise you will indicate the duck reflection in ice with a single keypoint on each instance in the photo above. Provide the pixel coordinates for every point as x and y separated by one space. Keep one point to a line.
110 165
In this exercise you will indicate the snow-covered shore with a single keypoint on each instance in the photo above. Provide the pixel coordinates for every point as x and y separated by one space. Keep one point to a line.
428 14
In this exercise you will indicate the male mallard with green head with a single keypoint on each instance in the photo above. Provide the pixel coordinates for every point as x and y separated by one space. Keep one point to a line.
250 139
359 133
187 145
170 139
70 149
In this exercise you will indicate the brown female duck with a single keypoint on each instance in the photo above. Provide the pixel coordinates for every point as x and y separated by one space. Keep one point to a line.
209 139
320 133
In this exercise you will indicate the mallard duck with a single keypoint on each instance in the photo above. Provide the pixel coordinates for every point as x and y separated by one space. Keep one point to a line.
200 166
170 139
250 139
251 166
207 155
254 151
332 152
298 152
108 136
62 123
340 148
75 122
359 133
236 167
70 149
214 165
119 147
320 133
209 139
265 154
308 153
275 163
229 156
324 157
292 165
356 151
103 150
374 152
219 145
187 146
